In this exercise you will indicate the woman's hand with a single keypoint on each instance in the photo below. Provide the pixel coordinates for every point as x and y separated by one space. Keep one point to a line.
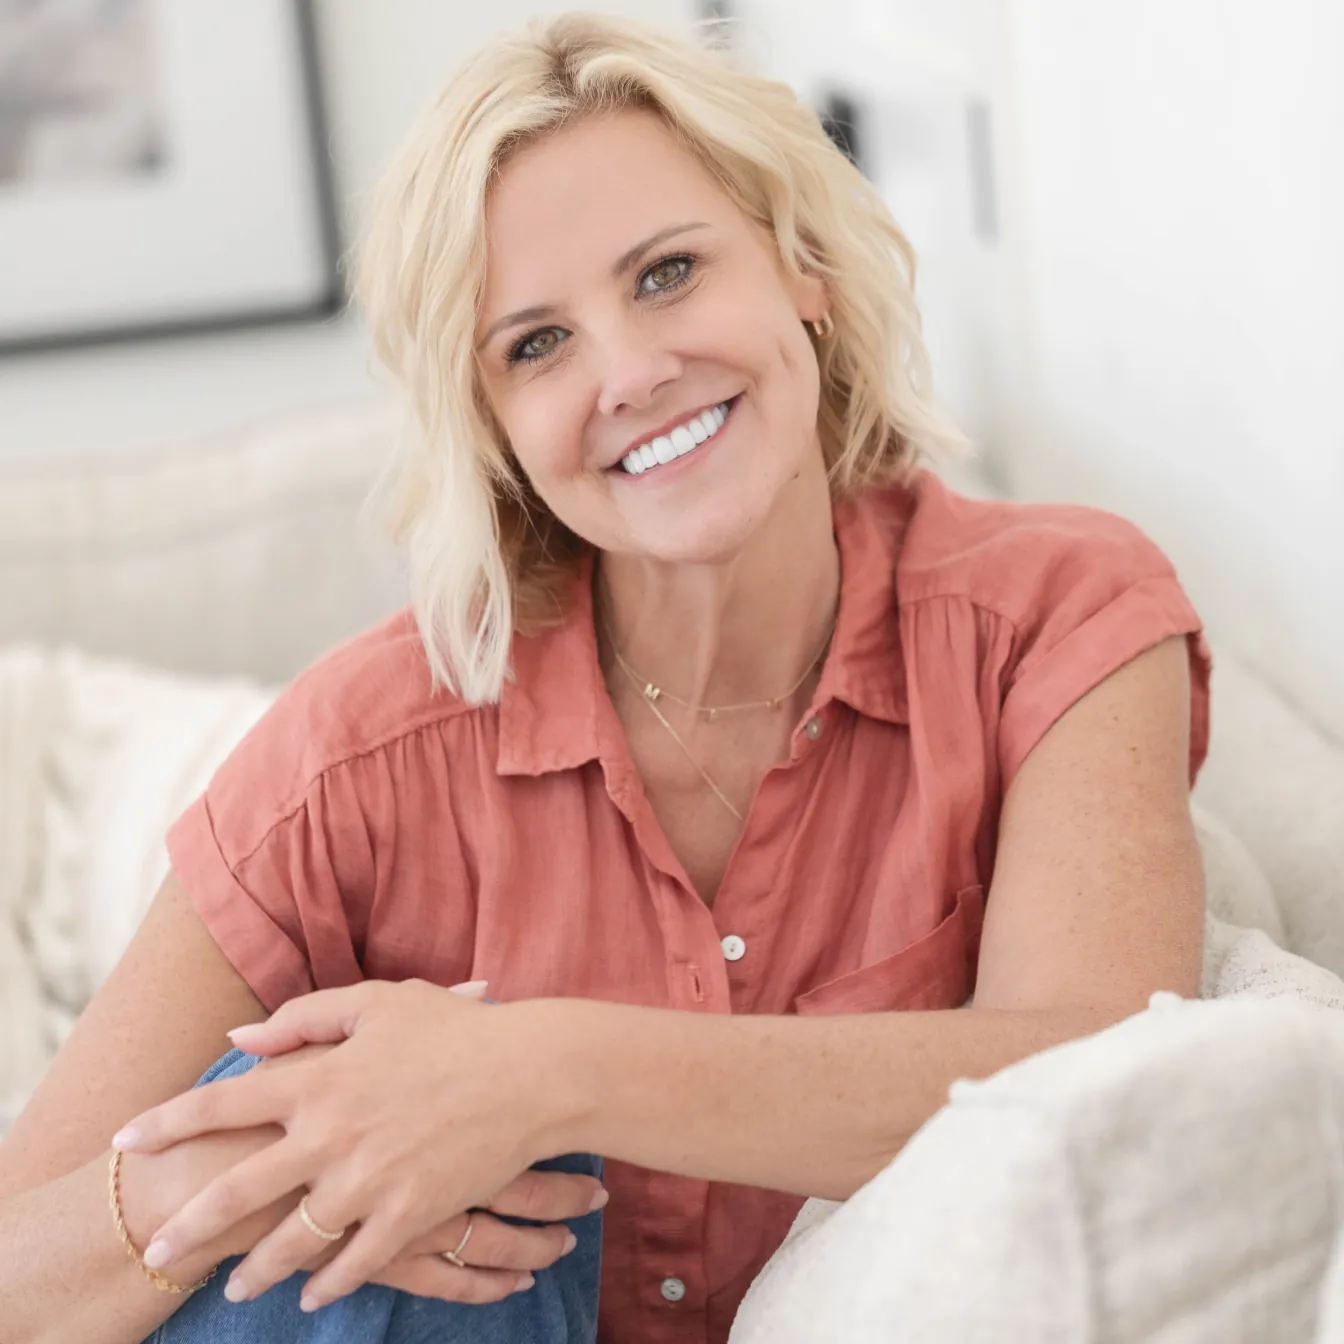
155 1185
499 1255
431 1107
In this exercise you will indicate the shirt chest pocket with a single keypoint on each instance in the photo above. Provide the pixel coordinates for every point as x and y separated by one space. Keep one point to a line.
937 971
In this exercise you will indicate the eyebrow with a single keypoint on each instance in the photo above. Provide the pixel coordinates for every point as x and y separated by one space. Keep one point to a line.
627 261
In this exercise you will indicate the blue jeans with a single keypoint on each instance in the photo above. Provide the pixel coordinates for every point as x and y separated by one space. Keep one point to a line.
560 1308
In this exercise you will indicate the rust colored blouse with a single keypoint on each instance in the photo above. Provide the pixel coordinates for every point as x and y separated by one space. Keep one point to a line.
365 828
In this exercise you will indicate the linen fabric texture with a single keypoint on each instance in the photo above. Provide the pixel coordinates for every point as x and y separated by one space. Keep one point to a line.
368 828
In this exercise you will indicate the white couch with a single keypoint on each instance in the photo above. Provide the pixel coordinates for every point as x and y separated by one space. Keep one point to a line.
151 603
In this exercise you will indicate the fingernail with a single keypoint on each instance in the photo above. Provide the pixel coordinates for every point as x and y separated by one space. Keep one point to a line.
599 1200
235 1290
126 1138
470 987
157 1254
571 1241
525 1281
308 1302
240 1031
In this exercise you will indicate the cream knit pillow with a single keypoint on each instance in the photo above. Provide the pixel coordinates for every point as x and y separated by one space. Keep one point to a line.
1176 1178
121 750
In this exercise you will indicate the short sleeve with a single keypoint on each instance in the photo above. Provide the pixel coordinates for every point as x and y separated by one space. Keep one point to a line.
275 874
256 932
1088 592
327 832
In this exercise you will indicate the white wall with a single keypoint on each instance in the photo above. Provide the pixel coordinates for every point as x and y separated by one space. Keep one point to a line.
1175 205
915 67
381 63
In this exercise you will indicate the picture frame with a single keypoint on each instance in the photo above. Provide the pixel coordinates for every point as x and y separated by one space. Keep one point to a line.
163 169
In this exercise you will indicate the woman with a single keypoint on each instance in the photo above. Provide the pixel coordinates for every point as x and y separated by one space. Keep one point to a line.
723 741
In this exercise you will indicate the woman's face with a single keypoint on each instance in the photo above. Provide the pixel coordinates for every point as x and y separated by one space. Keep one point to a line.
626 295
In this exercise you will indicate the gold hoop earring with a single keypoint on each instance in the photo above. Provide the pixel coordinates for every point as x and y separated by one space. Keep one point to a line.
824 327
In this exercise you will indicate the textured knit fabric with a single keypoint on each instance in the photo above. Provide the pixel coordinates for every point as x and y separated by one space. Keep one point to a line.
366 828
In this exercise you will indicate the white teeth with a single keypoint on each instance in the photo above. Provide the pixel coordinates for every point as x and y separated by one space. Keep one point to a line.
668 447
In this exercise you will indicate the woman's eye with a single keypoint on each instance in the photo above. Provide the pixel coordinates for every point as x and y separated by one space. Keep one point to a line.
666 274
535 345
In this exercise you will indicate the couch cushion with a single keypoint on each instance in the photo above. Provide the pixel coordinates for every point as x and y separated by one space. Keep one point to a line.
1277 783
241 553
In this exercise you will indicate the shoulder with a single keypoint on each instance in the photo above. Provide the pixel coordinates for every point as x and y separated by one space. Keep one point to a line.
1044 601
360 699
1016 560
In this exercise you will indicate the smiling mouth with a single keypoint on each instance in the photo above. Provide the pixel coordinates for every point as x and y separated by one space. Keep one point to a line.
677 443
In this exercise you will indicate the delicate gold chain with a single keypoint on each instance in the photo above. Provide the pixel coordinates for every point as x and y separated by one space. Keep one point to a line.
652 694
676 737
164 1285
711 712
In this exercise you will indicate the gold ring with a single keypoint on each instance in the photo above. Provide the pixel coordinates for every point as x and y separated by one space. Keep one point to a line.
455 1257
313 1227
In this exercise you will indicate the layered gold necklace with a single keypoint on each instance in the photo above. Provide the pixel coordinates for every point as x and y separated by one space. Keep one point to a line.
653 693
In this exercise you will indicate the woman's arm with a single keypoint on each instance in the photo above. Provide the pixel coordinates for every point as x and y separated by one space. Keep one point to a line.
149 1033
66 1276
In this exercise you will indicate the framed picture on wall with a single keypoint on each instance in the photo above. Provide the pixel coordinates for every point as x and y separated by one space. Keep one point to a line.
163 166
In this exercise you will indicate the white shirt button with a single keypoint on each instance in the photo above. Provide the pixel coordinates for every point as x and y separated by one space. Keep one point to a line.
734 949
672 1289
813 729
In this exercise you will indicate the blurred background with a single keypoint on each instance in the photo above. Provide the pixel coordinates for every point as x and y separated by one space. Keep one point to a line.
1127 218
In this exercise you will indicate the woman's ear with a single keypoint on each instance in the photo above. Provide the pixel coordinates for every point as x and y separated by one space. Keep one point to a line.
809 296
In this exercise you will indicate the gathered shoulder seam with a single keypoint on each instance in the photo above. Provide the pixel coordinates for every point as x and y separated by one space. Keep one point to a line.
370 749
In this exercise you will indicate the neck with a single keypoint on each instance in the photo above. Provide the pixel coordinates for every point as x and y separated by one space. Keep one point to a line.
742 629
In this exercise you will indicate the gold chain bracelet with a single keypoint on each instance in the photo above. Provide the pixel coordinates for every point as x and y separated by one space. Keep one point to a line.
164 1285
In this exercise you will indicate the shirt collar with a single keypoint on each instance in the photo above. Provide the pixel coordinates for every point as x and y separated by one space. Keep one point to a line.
865 668
555 713
550 710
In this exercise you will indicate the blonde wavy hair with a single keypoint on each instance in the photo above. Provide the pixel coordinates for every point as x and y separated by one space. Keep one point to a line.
485 557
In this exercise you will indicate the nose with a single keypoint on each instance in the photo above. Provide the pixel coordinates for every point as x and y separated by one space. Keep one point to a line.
632 370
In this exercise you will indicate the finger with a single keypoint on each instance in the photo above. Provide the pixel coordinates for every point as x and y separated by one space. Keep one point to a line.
373 1245
325 1015
470 989
231 1103
253 1184
432 1276
288 1248
548 1196
497 1245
